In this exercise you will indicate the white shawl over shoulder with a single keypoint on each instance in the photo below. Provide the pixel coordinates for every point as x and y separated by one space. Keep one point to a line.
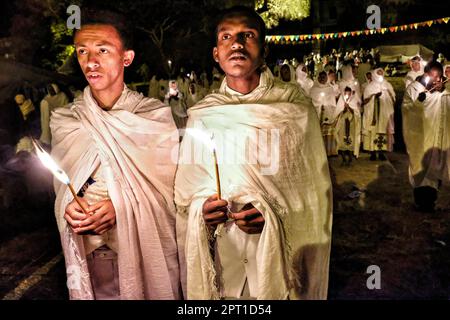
291 186
133 142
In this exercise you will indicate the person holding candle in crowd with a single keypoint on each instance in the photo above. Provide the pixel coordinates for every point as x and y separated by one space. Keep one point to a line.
275 209
348 128
426 130
323 97
115 144
378 116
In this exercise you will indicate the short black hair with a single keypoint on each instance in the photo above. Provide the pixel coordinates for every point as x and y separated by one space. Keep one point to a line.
107 16
434 65
252 16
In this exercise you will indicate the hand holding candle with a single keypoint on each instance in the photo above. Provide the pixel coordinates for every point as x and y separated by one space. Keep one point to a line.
50 164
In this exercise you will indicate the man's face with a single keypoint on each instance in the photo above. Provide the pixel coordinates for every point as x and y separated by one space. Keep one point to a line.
238 50
285 73
415 65
101 56
435 77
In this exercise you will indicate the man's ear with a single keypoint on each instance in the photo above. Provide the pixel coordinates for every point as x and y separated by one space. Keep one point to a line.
215 55
128 57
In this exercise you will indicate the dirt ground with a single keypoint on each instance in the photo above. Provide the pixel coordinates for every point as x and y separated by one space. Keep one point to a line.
381 227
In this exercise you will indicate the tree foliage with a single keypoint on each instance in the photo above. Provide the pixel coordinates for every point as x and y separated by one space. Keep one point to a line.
272 11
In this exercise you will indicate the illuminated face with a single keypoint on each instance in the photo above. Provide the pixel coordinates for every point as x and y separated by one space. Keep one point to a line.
102 57
173 85
238 50
435 77
415 65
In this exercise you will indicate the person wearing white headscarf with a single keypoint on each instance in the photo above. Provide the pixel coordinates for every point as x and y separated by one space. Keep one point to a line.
53 100
324 100
348 127
176 100
348 80
287 73
378 118
303 80
416 70
426 131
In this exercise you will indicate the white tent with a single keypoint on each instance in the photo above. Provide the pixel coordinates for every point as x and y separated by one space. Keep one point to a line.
402 53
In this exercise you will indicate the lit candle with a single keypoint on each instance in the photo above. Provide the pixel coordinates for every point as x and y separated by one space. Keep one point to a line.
209 143
59 174
427 79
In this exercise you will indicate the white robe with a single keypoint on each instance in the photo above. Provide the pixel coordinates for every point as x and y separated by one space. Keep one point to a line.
324 95
134 142
426 130
348 140
294 196
411 77
378 135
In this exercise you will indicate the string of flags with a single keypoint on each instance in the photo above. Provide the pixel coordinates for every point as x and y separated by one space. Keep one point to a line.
295 39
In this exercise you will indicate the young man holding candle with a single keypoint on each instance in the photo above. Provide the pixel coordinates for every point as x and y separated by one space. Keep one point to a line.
276 191
114 145
426 121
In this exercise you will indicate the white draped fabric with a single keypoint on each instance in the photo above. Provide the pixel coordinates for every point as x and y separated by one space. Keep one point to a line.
290 184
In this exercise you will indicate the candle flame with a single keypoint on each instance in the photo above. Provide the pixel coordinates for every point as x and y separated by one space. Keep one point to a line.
427 79
322 94
203 137
50 164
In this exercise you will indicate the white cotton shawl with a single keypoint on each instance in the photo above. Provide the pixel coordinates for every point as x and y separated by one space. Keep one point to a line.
327 100
385 125
133 142
426 130
303 80
296 200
